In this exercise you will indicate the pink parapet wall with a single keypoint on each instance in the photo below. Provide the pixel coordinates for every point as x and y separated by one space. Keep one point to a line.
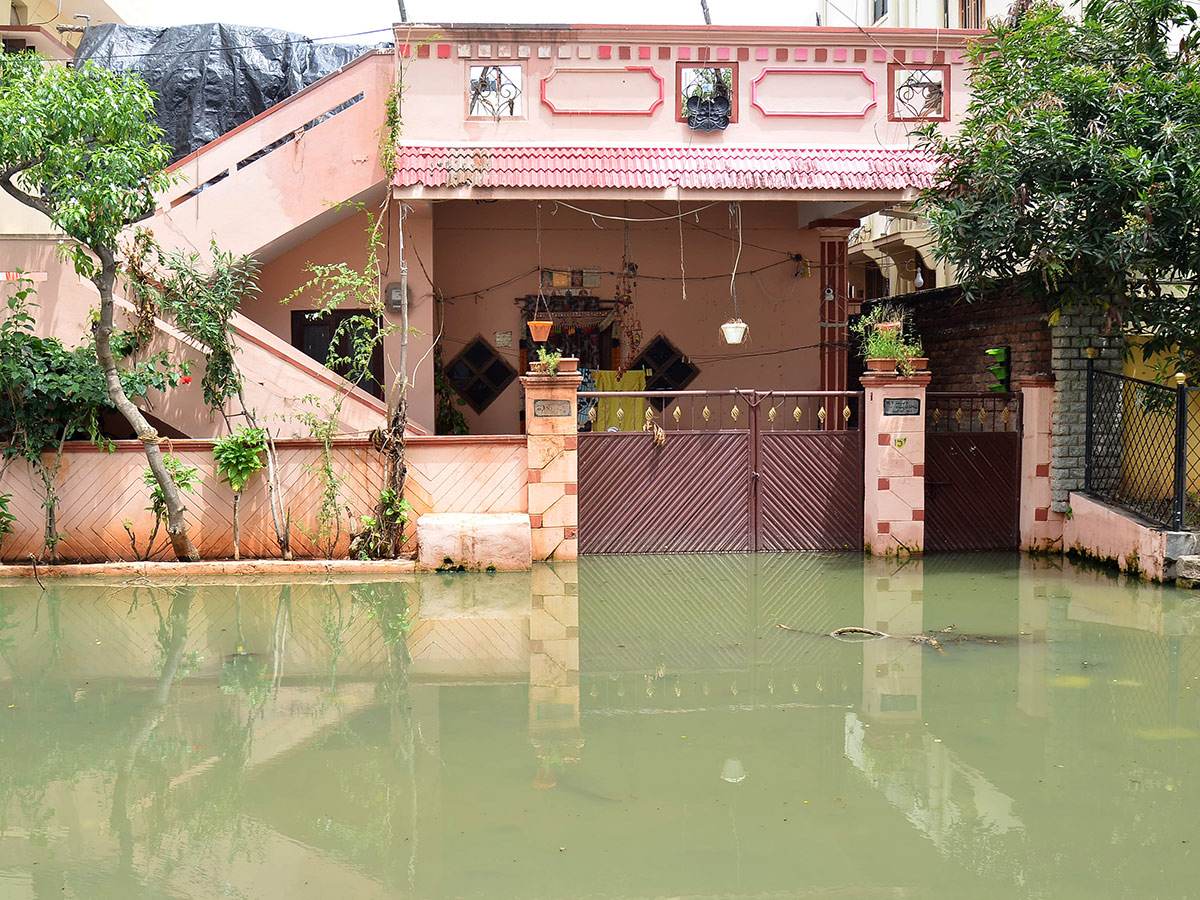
594 85
1096 531
894 464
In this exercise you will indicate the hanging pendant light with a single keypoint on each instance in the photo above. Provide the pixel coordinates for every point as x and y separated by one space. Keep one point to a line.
734 331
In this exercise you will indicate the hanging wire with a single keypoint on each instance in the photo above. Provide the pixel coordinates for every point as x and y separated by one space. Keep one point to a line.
682 271
538 237
735 221
627 218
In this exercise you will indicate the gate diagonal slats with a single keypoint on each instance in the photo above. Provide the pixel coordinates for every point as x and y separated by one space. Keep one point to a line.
689 495
972 482
810 491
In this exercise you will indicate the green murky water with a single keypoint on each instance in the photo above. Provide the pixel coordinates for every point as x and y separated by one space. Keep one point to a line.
624 728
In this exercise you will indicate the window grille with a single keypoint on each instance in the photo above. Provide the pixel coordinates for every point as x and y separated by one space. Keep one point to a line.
479 374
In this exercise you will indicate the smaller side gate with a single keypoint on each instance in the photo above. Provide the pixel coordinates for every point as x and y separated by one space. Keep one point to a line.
972 471
720 471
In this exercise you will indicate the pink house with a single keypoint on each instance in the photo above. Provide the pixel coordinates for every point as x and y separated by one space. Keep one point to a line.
555 161
637 187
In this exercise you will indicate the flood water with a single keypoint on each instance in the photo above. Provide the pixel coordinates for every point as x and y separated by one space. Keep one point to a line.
621 728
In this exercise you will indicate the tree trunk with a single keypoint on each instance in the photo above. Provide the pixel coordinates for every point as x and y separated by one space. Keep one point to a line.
176 526
282 522
237 528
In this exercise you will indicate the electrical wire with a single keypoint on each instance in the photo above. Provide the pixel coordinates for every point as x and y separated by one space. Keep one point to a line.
665 218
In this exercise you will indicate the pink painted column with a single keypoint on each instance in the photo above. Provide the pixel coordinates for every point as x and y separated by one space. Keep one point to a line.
1041 527
552 437
894 463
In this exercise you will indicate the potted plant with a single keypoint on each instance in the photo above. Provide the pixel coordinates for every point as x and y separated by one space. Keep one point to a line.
734 331
539 328
546 363
882 341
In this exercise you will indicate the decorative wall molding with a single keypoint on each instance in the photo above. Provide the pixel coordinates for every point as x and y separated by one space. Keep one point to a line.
865 97
654 96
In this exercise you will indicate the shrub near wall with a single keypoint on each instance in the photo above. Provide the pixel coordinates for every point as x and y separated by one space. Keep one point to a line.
955 335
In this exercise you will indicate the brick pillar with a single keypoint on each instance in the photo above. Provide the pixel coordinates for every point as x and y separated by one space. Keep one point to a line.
893 602
1075 331
554 726
552 437
894 463
1041 526
835 287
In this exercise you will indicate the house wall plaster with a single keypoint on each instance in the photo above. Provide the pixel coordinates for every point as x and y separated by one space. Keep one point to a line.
346 241
483 244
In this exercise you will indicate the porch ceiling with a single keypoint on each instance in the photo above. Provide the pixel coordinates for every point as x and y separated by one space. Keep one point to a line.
747 172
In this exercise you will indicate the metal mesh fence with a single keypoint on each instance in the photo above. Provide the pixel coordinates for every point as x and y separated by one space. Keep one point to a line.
1132 428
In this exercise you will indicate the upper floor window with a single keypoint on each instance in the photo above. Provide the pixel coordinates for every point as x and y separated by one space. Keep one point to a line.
494 91
707 95
970 13
879 9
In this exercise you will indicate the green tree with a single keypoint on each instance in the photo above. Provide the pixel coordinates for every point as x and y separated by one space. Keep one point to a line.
1077 164
79 145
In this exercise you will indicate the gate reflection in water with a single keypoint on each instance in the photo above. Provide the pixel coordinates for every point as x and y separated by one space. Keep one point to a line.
623 727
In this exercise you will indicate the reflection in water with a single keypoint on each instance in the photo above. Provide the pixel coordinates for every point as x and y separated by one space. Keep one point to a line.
634 727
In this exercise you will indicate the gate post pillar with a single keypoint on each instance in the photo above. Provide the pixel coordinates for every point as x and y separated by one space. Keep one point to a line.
894 463
552 441
1041 527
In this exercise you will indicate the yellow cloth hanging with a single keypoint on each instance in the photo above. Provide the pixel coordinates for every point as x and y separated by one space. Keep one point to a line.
633 408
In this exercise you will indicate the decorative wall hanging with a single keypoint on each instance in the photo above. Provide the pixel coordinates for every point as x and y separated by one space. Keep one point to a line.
707 96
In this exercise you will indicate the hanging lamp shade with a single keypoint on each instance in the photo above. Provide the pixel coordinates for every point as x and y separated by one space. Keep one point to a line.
734 331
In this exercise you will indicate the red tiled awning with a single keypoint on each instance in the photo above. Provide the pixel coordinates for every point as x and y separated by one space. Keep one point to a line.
705 168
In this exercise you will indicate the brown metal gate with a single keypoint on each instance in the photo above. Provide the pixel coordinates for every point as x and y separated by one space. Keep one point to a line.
720 472
972 471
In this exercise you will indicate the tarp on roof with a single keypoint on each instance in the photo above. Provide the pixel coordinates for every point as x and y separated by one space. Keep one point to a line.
211 78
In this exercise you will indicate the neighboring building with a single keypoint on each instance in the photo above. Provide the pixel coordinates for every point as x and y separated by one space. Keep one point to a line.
932 14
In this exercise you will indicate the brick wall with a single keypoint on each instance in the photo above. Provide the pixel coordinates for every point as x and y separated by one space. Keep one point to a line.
955 335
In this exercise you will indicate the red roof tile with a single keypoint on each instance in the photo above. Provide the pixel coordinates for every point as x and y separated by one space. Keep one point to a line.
712 168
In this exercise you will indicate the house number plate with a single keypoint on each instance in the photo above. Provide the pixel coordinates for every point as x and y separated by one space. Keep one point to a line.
901 406
551 408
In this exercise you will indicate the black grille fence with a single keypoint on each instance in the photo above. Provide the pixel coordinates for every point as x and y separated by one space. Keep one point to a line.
1136 446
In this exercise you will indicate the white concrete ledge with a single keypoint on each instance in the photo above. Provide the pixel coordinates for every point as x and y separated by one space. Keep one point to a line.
501 541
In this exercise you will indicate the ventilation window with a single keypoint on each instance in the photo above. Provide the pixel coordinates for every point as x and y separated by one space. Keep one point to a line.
494 92
669 369
479 374
918 94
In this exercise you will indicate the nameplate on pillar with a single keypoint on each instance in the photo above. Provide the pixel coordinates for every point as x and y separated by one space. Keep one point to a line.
901 406
547 409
